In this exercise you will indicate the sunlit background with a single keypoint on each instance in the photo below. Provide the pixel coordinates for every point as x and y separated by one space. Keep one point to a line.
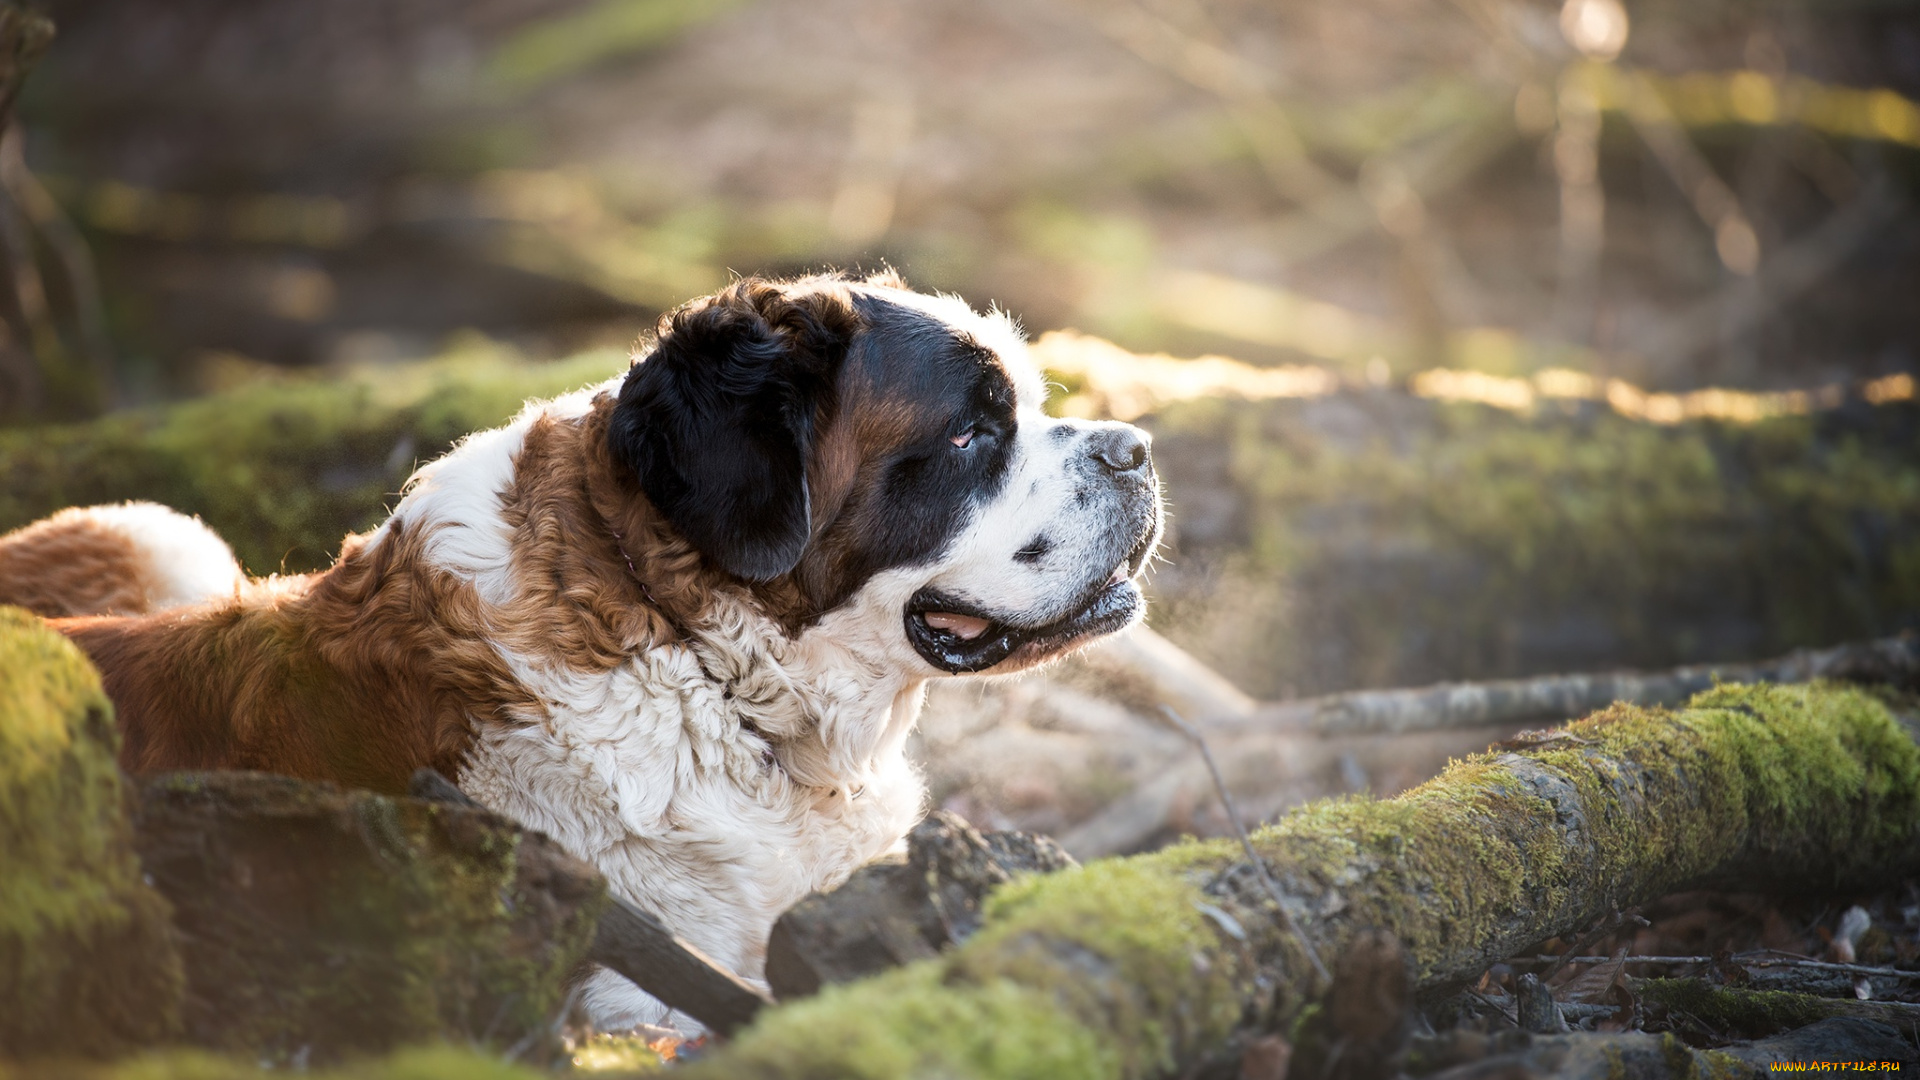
1479 337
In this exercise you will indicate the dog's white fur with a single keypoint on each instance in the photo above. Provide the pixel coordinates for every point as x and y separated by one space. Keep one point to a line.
185 562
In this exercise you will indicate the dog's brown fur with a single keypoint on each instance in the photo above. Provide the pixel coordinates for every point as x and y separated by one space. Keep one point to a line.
359 674
71 564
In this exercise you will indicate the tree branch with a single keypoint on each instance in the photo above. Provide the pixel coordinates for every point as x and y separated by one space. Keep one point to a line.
1553 698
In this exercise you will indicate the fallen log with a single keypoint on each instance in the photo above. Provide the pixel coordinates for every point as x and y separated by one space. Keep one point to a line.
317 923
639 946
87 959
1139 966
1555 698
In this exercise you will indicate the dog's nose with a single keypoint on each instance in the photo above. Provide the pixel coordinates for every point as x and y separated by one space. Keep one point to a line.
1121 448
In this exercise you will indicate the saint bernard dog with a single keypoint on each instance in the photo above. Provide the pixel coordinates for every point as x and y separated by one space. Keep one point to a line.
680 621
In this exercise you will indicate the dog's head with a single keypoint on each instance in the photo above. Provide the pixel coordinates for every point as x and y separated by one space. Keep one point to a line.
884 453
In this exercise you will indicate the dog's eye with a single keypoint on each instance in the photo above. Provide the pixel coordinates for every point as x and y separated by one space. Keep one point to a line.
963 439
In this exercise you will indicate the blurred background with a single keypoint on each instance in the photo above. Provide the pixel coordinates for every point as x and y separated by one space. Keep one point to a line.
1479 337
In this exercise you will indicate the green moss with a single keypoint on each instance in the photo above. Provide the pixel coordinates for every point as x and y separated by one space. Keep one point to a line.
1687 1063
1106 970
1751 1014
85 947
1773 773
1378 540
281 470
914 1023
1406 541
1447 863
1720 1065
1138 923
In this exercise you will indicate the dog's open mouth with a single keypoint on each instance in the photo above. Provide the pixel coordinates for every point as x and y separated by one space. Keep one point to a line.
958 637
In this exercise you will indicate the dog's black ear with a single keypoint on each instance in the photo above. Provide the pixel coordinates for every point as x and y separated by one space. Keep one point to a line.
717 421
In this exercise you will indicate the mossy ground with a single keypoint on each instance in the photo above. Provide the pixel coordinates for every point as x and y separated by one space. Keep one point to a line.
86 951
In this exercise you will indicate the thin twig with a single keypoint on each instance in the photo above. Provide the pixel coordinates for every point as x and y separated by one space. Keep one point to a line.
1815 965
1556 698
1677 153
1484 1000
1607 926
1246 842
1239 86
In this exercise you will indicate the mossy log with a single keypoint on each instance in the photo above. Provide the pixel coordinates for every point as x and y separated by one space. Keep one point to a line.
87 961
895 911
319 922
1370 539
1134 967
1739 1010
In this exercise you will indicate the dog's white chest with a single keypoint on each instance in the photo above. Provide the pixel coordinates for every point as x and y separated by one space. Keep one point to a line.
648 773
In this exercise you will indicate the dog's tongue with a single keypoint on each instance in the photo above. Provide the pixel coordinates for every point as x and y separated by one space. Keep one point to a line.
964 627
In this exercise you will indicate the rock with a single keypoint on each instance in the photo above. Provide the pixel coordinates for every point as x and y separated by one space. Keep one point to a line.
319 922
890 913
1840 1038
87 961
1610 1056
1539 1013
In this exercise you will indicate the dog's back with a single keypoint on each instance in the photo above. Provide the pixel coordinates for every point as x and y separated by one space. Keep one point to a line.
328 676
128 559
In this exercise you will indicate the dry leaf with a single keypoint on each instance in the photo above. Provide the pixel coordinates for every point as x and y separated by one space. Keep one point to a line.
1595 984
1727 971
